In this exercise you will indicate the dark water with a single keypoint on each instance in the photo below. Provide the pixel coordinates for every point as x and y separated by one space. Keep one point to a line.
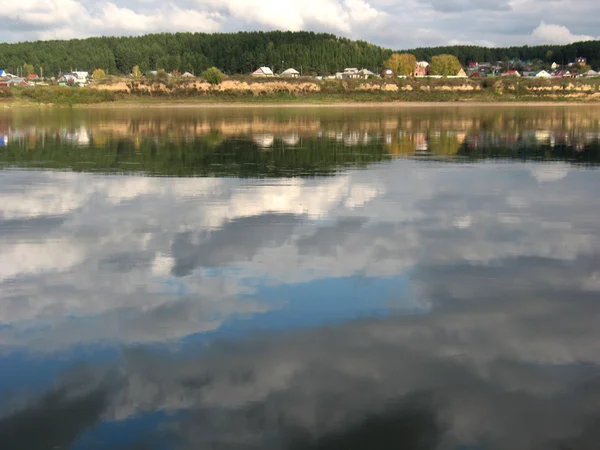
300 279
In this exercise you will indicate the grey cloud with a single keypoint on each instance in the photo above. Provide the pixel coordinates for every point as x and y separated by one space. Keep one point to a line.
470 5
236 241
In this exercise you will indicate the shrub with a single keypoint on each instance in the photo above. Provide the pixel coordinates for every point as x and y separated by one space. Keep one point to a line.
162 75
98 75
213 76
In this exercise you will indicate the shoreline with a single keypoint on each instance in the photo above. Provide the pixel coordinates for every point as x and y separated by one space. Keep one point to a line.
247 105
300 105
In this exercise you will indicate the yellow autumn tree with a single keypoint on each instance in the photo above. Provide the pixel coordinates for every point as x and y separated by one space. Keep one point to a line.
136 72
98 75
402 63
445 65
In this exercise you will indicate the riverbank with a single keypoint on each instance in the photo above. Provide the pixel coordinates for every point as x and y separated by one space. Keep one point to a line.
235 105
313 93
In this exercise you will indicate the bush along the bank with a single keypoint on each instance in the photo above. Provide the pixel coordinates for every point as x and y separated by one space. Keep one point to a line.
63 95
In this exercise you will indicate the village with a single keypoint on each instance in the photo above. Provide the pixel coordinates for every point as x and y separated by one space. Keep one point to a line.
423 69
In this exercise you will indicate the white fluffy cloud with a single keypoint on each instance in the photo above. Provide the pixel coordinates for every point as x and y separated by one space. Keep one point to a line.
558 34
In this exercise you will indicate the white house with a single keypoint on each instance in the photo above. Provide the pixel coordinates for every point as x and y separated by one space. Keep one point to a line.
81 78
365 73
554 66
543 74
351 72
263 72
290 73
591 74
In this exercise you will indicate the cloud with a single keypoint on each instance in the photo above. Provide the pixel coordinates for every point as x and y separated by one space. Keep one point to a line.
414 23
550 172
469 5
558 34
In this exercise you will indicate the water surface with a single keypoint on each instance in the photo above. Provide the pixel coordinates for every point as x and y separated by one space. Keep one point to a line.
300 279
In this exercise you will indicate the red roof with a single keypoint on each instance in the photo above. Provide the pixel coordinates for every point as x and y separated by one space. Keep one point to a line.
32 76
473 64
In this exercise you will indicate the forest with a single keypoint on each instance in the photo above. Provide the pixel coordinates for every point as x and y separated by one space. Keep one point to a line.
239 53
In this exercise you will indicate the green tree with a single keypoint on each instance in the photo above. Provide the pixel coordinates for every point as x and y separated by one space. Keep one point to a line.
445 65
402 63
136 72
98 75
28 69
213 75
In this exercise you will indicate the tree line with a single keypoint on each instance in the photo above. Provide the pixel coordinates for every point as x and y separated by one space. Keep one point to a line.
243 52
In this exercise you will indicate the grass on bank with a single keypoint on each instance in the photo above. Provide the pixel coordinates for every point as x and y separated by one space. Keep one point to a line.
330 92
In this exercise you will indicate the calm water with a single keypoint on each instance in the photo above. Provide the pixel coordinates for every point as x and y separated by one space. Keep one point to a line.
300 279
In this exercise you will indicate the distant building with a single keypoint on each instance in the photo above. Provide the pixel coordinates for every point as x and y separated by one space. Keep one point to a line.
290 73
33 76
554 66
388 73
543 74
366 73
350 73
562 74
581 61
461 74
187 75
422 69
511 73
73 78
262 72
590 74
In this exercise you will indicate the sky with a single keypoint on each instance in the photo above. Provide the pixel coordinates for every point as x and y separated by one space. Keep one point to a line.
390 23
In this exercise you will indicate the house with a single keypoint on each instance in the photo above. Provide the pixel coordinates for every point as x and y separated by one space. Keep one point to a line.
33 76
543 74
473 65
581 61
73 78
67 79
461 74
81 78
554 66
2 73
511 73
17 82
351 72
263 72
187 75
290 73
422 69
562 74
590 74
388 73
366 73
